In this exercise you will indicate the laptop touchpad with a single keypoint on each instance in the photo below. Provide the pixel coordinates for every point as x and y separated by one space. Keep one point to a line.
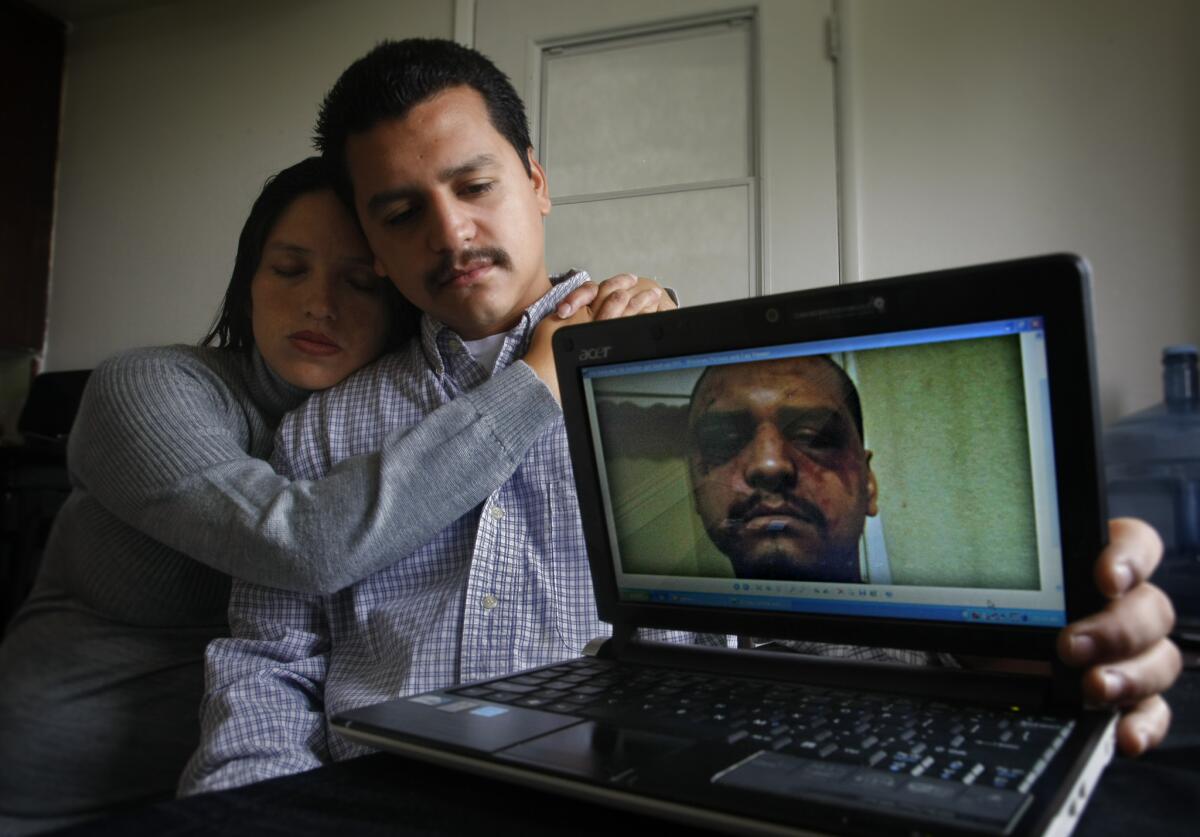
595 751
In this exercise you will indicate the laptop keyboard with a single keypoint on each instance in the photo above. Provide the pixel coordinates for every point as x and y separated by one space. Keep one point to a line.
889 734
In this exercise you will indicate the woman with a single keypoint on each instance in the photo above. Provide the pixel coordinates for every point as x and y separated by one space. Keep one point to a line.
101 672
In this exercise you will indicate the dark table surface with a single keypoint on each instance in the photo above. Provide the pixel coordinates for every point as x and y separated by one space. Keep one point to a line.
1158 794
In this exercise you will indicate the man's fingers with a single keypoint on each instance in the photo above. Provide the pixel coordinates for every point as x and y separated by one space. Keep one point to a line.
1131 681
1133 552
1144 726
1126 628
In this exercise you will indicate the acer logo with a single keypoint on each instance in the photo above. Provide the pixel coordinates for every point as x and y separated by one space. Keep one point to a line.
598 353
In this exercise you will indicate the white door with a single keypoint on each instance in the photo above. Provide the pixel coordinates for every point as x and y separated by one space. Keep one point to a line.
681 140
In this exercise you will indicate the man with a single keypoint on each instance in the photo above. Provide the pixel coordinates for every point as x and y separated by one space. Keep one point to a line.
435 147
779 474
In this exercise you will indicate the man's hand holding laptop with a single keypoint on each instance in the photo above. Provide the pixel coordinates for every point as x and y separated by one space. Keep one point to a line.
1130 660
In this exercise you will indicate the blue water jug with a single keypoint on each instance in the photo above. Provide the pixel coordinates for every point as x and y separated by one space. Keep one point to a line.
1153 472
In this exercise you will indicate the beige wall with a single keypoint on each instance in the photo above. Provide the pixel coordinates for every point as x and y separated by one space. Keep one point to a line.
173 117
996 128
972 131
951 457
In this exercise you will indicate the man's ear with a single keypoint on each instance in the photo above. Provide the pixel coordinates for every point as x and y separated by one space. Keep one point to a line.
537 175
872 489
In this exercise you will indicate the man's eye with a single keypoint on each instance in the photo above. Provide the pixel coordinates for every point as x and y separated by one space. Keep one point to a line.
815 437
289 271
478 188
720 441
400 218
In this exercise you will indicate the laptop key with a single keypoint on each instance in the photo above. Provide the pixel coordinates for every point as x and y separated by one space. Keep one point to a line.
509 686
500 697
530 700
534 679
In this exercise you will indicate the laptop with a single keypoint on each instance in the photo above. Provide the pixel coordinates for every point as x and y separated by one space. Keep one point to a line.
907 464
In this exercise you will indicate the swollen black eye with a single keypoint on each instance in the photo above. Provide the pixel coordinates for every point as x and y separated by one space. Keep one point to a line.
718 438
817 430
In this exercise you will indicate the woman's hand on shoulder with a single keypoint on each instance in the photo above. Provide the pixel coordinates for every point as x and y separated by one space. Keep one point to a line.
622 295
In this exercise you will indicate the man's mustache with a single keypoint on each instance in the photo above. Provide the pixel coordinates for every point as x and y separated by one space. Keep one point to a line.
452 264
759 504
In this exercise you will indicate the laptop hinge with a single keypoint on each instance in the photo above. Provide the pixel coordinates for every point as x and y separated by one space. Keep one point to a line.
595 648
611 647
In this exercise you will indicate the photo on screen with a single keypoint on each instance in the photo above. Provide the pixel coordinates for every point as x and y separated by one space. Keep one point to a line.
905 465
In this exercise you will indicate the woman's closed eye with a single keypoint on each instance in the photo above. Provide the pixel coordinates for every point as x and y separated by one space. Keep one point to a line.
289 270
366 281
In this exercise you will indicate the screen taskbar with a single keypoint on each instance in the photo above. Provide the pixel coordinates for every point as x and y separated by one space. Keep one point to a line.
874 607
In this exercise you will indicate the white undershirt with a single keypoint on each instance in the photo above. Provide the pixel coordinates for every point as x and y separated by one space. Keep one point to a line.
485 350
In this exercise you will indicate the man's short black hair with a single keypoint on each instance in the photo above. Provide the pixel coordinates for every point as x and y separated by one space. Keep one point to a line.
849 390
396 75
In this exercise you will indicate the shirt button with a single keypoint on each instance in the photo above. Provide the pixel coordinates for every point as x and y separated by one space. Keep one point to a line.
489 602
497 512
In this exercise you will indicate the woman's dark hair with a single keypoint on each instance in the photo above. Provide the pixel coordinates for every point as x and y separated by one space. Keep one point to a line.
232 328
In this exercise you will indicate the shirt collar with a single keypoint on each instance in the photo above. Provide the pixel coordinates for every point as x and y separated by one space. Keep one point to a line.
446 352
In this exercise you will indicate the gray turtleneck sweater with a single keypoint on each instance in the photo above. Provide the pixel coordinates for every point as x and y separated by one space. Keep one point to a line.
101 672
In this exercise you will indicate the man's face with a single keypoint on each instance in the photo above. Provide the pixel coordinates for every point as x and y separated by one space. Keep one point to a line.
451 214
781 479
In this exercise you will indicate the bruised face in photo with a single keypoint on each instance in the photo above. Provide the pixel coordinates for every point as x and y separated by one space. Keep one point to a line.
781 479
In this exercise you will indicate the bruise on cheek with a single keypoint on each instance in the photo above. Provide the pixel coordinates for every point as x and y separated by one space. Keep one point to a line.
818 485
839 467
722 480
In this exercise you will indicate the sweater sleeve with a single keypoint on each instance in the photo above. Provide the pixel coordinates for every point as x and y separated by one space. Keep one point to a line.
162 444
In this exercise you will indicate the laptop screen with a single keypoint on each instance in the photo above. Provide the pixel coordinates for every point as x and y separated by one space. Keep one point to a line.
904 475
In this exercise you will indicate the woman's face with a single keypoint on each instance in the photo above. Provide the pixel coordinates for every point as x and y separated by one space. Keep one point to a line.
318 309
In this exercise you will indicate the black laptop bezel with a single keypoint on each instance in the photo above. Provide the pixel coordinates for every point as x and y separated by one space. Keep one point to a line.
1054 287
